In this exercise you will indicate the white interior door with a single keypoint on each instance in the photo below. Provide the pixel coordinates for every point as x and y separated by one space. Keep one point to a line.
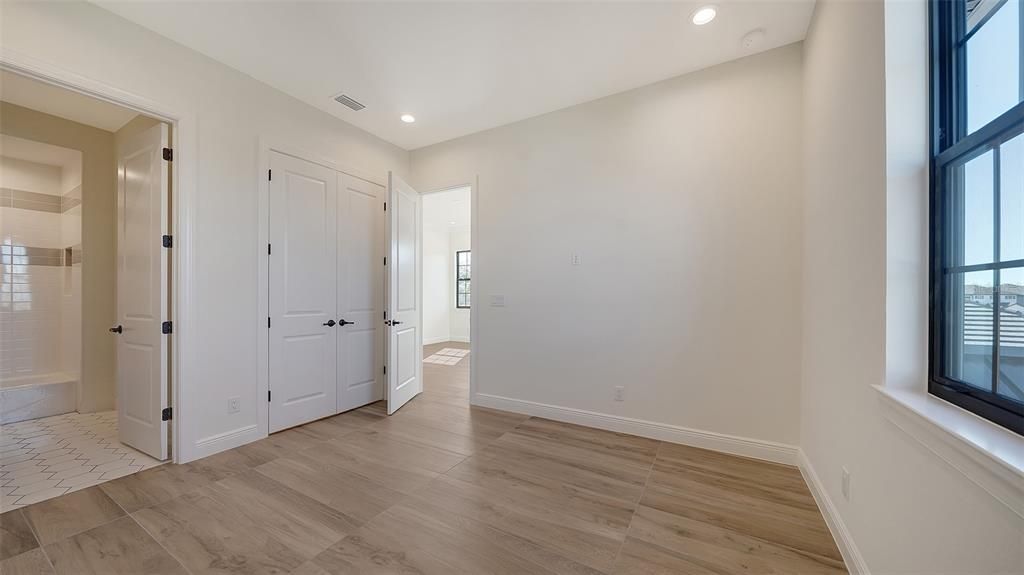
303 291
404 294
142 291
360 292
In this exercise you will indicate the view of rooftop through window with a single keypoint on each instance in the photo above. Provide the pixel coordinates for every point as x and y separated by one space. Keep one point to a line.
988 211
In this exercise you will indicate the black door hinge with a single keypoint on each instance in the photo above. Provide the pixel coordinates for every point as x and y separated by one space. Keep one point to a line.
165 414
167 241
385 206
168 154
385 260
270 175
166 327
268 323
385 370
268 395
268 249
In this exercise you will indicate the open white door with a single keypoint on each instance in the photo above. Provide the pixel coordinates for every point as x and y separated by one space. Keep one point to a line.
404 294
303 292
142 291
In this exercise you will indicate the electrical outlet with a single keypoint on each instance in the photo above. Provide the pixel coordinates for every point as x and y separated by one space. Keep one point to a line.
497 300
620 393
846 484
234 404
577 259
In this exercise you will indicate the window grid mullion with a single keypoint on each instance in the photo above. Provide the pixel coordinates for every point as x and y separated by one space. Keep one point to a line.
996 250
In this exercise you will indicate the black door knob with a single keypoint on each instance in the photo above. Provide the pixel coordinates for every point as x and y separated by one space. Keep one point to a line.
395 322
343 323
117 329
330 323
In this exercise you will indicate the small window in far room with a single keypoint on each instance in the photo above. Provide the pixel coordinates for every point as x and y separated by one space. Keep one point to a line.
977 208
462 285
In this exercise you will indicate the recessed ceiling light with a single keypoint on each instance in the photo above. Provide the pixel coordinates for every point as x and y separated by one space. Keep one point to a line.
408 118
703 15
451 223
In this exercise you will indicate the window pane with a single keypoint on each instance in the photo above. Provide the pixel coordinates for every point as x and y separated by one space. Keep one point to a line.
1011 334
1011 199
969 328
463 273
993 66
971 212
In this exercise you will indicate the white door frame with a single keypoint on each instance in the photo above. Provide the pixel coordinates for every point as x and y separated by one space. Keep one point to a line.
474 332
182 213
266 146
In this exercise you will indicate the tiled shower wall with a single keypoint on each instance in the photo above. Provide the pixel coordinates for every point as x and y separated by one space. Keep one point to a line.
40 293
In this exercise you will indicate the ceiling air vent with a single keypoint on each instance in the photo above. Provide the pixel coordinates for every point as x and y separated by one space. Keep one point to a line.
343 99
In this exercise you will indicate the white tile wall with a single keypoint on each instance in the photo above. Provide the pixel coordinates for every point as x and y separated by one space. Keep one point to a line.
30 319
30 228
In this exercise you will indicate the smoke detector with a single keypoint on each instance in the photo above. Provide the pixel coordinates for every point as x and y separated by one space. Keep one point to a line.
752 38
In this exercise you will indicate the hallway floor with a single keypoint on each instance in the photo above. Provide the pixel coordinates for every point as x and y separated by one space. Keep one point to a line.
438 488
48 457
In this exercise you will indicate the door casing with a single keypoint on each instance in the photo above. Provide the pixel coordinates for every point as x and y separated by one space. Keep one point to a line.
184 125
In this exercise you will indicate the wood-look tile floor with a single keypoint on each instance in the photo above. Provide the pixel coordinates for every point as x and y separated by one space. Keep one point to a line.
440 487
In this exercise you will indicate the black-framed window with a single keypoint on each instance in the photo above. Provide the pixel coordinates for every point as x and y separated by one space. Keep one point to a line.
463 264
977 208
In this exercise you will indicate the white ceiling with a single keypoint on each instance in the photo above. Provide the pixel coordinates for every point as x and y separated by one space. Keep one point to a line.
66 104
462 67
448 209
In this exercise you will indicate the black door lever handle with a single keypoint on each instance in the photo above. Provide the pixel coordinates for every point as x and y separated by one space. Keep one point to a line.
343 323
395 322
117 329
330 323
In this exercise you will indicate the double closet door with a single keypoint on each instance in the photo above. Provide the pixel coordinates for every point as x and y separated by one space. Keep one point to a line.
326 269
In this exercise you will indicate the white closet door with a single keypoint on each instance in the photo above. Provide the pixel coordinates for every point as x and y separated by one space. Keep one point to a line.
360 292
142 303
303 291
404 294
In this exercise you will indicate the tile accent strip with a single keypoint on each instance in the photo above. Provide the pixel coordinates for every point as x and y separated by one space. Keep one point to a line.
71 199
29 256
11 198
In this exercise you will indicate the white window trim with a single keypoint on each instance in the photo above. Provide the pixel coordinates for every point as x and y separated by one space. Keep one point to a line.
989 455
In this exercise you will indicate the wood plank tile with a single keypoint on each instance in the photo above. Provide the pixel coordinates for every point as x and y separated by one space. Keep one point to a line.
16 536
119 547
378 554
567 536
521 546
399 477
32 562
718 548
299 522
637 450
779 525
64 516
157 485
356 497
375 444
210 537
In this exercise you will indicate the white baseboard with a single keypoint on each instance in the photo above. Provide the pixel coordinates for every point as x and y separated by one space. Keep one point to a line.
746 447
459 339
433 340
222 442
855 563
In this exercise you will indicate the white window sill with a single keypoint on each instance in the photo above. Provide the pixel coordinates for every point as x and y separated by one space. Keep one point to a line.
989 455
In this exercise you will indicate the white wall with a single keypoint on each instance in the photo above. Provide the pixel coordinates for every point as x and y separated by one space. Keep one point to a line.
437 282
231 112
683 199
458 240
864 298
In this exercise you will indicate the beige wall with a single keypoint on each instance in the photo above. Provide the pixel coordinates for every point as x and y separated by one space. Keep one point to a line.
98 270
683 199
864 296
